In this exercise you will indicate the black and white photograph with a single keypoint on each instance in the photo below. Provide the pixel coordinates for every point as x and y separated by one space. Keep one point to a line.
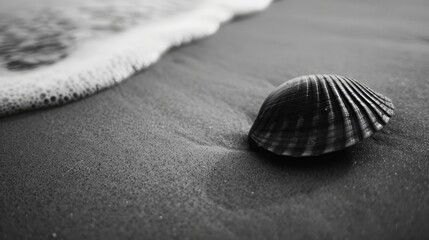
214 119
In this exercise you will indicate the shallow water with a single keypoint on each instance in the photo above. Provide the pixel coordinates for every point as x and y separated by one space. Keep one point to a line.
54 52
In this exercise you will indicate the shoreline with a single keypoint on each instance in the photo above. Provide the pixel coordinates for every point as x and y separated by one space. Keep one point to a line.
96 65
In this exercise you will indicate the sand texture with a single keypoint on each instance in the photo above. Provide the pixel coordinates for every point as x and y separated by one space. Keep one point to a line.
164 155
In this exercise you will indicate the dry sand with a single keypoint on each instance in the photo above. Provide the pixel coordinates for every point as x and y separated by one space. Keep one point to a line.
164 155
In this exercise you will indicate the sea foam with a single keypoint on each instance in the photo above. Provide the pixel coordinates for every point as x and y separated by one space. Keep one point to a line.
71 67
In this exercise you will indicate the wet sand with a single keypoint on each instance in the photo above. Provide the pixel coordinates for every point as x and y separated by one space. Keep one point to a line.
164 155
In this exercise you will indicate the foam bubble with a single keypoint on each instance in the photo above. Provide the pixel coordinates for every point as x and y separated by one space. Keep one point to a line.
105 60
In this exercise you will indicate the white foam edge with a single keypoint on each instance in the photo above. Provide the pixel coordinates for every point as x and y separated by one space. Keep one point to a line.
122 55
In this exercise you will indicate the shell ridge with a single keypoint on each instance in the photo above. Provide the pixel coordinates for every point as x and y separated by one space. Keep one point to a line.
275 127
369 118
303 134
316 121
375 112
371 95
380 111
356 126
282 101
283 90
339 119
367 89
382 100
271 130
329 135
290 143
271 110
315 142
261 119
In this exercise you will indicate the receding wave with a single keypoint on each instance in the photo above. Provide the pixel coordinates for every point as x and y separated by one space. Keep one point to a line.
55 52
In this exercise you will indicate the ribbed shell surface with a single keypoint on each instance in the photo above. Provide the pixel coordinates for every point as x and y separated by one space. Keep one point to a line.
317 114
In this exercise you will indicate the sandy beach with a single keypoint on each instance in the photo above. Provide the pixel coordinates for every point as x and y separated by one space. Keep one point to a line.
164 155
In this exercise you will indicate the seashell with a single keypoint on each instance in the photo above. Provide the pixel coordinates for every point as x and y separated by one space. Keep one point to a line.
317 114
